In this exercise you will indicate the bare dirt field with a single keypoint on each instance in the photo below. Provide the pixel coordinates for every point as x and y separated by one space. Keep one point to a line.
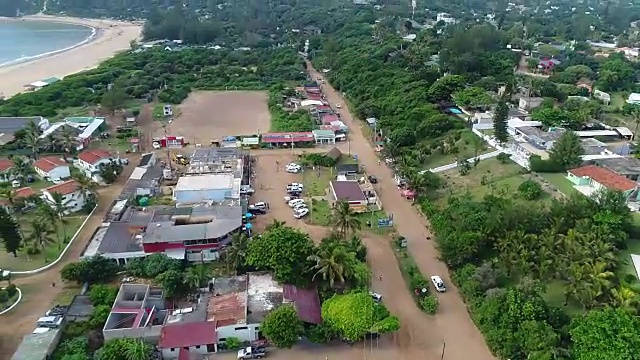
207 115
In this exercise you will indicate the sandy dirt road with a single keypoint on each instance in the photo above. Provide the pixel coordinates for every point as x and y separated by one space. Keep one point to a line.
453 323
22 320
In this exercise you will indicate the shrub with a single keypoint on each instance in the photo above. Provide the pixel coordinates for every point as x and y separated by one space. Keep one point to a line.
429 304
530 190
233 343
11 290
503 158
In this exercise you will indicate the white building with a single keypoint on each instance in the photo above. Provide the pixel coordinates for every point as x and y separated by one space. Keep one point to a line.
208 187
181 340
89 162
634 98
51 168
446 18
72 196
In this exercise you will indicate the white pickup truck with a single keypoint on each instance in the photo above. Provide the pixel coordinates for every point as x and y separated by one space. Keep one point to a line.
252 353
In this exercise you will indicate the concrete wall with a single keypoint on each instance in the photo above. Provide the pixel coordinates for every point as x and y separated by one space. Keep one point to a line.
244 332
149 333
200 349
577 180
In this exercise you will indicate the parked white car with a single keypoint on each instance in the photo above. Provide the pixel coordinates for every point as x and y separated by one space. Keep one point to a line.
293 168
295 202
438 283
299 206
262 205
375 296
246 190
300 213
295 185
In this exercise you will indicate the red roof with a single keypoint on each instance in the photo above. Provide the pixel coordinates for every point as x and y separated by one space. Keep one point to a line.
188 334
306 301
5 164
93 156
66 188
49 163
317 97
605 177
24 192
287 137
329 118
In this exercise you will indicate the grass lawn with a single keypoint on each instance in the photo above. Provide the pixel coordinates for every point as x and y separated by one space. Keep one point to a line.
69 290
320 212
51 252
71 112
465 144
555 297
489 176
560 182
316 181
617 100
112 144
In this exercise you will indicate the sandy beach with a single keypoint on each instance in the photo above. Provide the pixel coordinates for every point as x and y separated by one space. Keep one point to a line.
110 38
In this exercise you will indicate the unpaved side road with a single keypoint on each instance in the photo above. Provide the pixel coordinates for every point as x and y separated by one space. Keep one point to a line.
452 323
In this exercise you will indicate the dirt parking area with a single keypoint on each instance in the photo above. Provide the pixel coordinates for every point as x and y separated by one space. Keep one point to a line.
207 115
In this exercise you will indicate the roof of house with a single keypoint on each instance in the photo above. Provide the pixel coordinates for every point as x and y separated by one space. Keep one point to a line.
65 188
24 192
621 165
347 190
209 222
306 302
187 334
5 164
204 182
49 163
145 159
334 153
329 118
348 168
605 177
287 137
10 125
93 156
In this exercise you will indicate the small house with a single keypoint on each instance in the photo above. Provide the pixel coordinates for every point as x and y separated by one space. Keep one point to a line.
72 195
52 168
324 137
592 179
5 169
529 103
350 192
188 337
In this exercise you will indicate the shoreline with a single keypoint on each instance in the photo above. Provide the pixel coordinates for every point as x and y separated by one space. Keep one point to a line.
95 33
108 38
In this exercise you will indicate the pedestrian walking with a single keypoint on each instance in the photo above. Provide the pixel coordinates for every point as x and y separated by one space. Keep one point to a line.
53 284
378 161
380 277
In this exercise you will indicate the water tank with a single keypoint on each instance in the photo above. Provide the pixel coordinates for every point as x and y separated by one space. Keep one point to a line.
166 173
144 201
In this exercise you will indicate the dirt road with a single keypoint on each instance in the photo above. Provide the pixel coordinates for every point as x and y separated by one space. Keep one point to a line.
452 323
22 320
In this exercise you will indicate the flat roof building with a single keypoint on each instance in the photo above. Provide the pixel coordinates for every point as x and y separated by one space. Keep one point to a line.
206 188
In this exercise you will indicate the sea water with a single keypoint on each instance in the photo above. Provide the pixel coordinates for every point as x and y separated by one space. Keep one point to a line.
24 40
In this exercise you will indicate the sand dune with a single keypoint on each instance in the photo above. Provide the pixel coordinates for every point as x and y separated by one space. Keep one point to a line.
111 37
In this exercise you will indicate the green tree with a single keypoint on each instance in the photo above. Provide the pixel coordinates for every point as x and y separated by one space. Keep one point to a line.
172 282
4 297
10 233
429 304
109 172
355 315
101 294
345 219
473 97
99 316
61 207
21 167
284 251
197 276
443 88
530 190
235 255
332 264
567 151
605 334
40 236
94 270
282 326
114 98
123 349
500 122
137 349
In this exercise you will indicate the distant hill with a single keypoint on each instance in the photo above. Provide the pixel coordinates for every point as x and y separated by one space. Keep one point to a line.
12 8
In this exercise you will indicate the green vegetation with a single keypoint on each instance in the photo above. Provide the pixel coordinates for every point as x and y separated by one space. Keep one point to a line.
282 326
169 76
286 119
415 280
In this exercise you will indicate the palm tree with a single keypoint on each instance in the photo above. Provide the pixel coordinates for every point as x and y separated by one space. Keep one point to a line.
635 114
21 167
196 276
10 195
275 224
332 264
60 207
32 142
41 236
236 253
67 140
626 299
136 350
345 219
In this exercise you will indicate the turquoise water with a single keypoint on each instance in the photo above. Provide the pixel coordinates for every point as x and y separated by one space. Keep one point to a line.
25 40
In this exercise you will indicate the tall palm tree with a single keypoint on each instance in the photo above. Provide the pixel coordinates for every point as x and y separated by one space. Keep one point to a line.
275 224
61 207
32 142
21 167
41 236
85 184
345 219
626 299
196 276
635 114
332 264
9 195
136 350
236 253
66 140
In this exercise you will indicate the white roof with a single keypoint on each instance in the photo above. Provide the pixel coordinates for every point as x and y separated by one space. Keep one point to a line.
590 133
310 102
39 84
624 131
634 97
205 182
516 123
137 173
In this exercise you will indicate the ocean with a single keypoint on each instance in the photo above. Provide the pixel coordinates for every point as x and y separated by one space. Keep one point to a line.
26 40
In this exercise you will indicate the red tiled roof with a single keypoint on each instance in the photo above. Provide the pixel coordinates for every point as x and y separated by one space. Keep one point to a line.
49 163
93 156
306 302
187 334
24 192
605 177
5 164
66 188
329 118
